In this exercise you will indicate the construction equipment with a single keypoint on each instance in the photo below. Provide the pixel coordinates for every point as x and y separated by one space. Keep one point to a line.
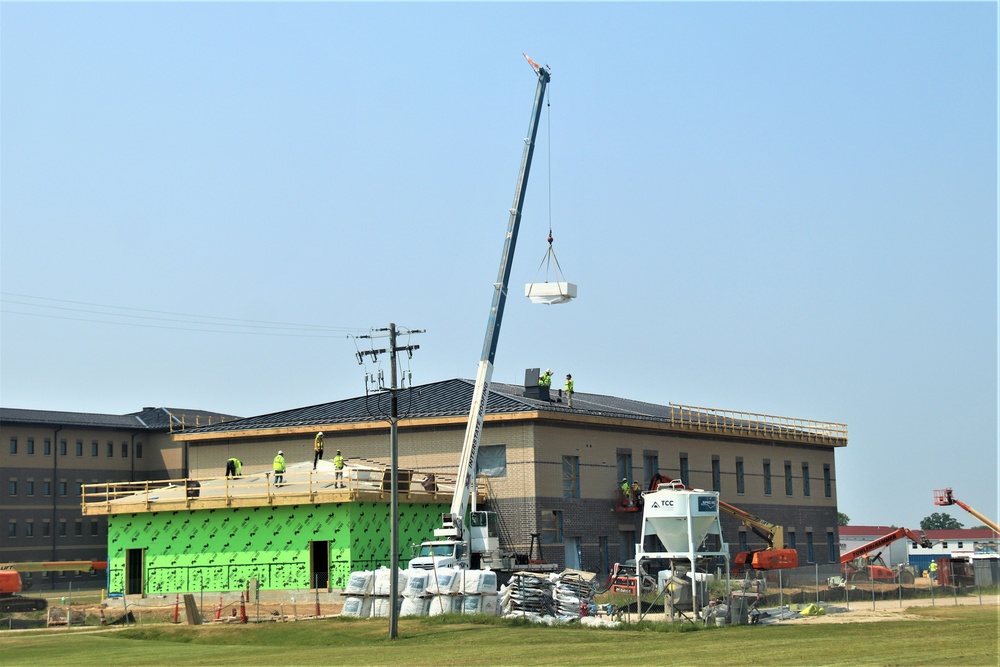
624 579
861 565
772 557
946 497
11 583
479 544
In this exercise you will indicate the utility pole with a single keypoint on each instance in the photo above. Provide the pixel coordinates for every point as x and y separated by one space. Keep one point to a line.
393 350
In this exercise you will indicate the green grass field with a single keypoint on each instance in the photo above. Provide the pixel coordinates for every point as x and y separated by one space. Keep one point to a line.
965 635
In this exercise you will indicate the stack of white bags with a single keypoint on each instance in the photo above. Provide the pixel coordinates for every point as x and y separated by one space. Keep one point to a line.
422 592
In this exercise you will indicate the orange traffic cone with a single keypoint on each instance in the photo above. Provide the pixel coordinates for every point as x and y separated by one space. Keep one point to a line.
243 609
104 621
177 608
218 611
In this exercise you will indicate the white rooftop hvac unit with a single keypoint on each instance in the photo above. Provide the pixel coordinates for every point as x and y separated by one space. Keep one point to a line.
550 293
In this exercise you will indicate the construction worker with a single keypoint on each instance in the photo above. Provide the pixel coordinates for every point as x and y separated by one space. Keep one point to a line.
279 468
318 446
637 493
234 467
338 475
932 570
545 379
626 492
569 390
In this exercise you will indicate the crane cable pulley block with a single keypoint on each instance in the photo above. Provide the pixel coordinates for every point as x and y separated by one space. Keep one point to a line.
548 293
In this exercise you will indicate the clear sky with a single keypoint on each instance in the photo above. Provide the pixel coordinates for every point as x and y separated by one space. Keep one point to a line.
785 208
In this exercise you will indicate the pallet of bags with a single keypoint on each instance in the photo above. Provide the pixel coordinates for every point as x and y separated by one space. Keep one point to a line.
446 604
383 581
357 607
381 608
443 581
360 583
414 606
527 593
479 582
480 604
416 583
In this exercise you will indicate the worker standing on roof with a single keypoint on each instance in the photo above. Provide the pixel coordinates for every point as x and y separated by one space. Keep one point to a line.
545 379
279 468
569 390
234 467
318 446
338 475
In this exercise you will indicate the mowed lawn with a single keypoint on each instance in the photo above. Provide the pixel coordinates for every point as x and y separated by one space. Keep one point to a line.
947 635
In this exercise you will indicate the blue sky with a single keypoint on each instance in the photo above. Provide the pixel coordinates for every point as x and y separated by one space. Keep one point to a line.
785 208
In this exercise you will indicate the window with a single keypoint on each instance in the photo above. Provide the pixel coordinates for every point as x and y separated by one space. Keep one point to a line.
551 525
716 474
767 477
79 487
138 450
93 528
12 528
62 527
29 487
959 545
62 448
492 460
63 487
13 445
12 487
94 448
79 528
111 449
685 471
46 528
650 466
47 488
624 460
124 450
743 541
29 528
810 557
740 485
788 478
47 447
831 547
827 486
79 447
626 545
571 476
791 539
805 479
31 445
604 556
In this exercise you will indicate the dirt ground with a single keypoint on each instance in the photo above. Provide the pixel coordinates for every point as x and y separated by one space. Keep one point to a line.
889 610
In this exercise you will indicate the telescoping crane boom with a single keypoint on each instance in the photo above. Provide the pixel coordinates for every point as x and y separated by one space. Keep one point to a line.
857 564
947 497
453 532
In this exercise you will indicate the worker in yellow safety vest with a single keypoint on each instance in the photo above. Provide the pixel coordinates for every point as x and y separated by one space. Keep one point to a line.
234 467
545 379
338 473
279 468
318 446
569 390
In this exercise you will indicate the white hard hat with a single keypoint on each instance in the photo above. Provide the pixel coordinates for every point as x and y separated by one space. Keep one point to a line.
548 371
320 433
280 452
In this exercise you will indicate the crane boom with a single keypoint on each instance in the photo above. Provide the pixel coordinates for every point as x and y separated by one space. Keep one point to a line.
452 523
917 536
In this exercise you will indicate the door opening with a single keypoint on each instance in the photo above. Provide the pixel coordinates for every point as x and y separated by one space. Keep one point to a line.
319 564
134 571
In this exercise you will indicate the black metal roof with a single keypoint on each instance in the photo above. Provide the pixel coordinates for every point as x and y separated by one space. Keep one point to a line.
448 398
453 398
147 419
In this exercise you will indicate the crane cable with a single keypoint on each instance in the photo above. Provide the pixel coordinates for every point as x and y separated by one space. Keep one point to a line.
550 254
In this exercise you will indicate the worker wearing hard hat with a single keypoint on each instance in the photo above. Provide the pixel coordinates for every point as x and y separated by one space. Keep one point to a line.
318 446
279 468
338 471
545 379
626 490
569 390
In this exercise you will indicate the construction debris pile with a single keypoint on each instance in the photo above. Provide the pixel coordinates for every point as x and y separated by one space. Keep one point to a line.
549 598
421 592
